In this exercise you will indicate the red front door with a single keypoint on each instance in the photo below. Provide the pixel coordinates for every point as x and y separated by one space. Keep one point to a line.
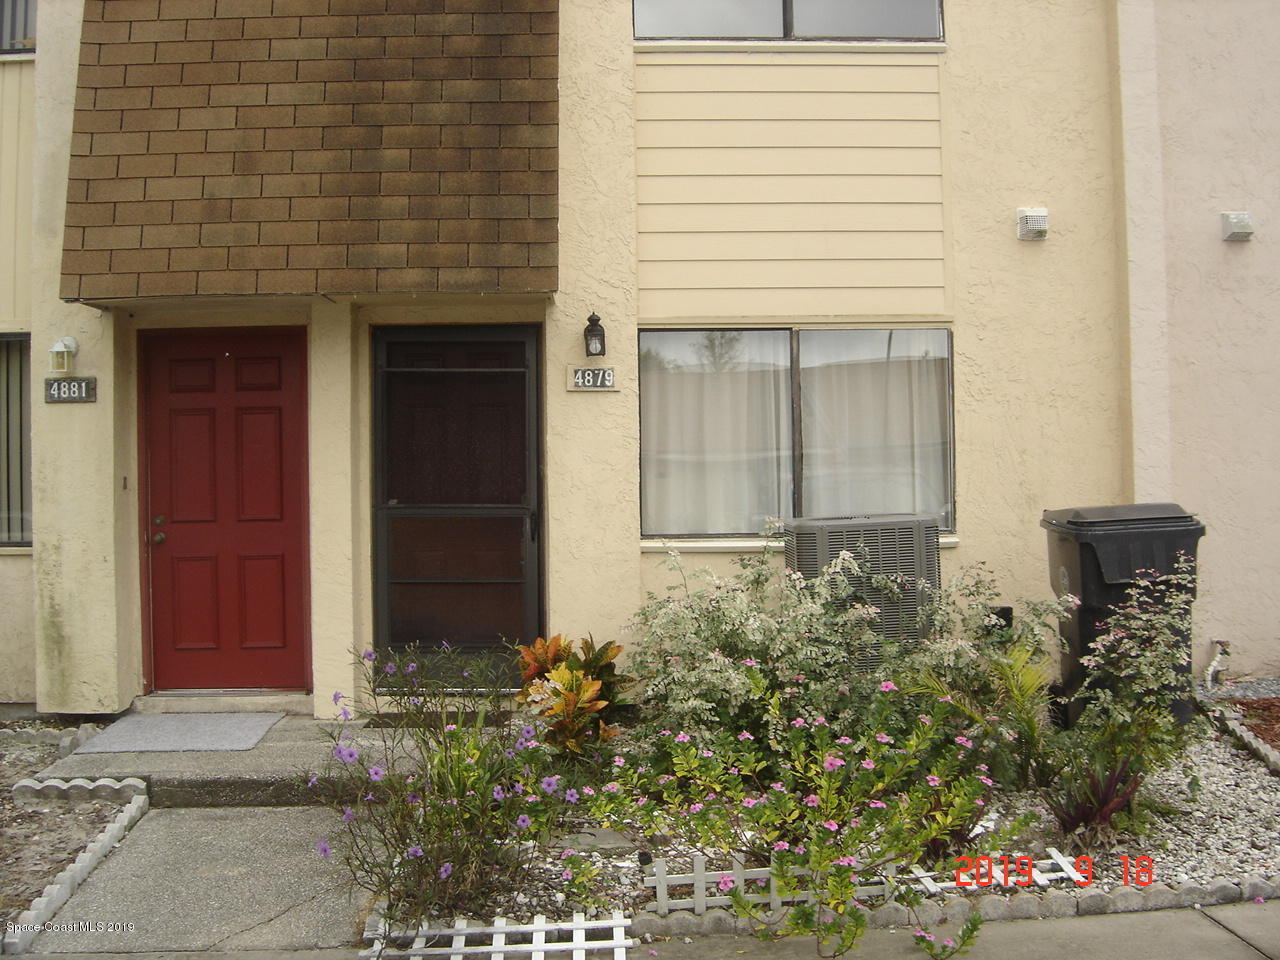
225 508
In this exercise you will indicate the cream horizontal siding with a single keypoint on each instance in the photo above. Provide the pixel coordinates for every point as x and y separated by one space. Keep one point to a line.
17 111
788 184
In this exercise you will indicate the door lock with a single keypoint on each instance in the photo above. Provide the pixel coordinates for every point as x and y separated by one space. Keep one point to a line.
158 538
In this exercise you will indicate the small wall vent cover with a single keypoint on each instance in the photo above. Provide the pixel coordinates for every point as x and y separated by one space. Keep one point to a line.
1033 223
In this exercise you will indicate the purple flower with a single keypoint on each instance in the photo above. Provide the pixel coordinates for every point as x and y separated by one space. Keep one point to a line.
389 668
523 821
612 787
344 713
567 875
414 851
708 753
346 754
878 804
887 686
831 825
749 662
410 668
884 738
932 781
868 764
726 883
619 761
843 741
588 792
695 807
370 656
799 722
527 732
782 845
846 862
571 796
832 763
313 781
337 697
450 727
811 800
549 784
376 773
348 814
446 870
964 741
986 780
745 736
323 848
413 798
499 794
682 737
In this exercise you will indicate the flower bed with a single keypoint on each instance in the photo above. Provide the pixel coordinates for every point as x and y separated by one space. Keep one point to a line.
815 778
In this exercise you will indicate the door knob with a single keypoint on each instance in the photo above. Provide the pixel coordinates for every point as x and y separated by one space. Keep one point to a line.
158 538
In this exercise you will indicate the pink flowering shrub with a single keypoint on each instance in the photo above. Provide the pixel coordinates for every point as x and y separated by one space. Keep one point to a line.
823 825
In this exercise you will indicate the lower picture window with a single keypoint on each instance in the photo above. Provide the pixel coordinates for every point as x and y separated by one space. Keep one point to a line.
738 426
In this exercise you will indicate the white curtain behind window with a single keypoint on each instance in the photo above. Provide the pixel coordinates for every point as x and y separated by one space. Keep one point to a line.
875 422
715 430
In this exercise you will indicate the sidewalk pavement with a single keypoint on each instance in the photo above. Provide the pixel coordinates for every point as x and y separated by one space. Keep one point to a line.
240 882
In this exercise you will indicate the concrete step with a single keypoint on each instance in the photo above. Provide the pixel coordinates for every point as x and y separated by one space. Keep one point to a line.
226 701
272 774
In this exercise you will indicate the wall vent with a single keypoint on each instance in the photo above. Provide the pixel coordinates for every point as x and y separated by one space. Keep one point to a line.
901 545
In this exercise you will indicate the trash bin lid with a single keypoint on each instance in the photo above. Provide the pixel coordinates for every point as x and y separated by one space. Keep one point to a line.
1122 515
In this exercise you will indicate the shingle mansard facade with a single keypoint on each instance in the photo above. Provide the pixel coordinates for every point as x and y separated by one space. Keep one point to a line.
321 270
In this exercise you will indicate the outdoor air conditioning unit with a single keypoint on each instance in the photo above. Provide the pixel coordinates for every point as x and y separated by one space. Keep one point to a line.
904 546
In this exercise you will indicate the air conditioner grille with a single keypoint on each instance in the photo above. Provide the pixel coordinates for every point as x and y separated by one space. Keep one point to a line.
899 545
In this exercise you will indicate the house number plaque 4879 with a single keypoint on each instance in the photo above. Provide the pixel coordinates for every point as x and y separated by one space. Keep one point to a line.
592 378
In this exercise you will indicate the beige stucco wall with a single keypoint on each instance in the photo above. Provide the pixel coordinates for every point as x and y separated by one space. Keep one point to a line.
1219 122
17 646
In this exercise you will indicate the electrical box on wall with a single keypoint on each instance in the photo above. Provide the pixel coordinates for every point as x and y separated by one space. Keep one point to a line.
1033 223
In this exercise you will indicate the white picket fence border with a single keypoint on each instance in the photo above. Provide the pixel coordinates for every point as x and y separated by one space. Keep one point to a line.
1044 872
534 941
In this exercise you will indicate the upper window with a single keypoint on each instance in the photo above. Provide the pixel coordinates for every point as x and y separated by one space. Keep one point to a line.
738 426
15 440
17 26
788 19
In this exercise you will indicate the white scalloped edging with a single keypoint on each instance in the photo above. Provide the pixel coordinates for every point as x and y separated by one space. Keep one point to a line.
1228 720
18 938
66 740
77 790
1019 906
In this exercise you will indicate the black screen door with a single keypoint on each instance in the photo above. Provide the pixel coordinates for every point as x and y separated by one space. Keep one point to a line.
456 486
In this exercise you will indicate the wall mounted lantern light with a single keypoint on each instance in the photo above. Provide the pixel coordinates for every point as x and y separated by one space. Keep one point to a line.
62 356
594 337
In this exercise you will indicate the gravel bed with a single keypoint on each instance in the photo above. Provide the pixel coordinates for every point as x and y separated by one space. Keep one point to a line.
1252 688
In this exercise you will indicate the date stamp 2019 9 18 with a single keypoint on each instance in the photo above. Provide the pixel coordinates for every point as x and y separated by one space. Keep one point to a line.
1017 871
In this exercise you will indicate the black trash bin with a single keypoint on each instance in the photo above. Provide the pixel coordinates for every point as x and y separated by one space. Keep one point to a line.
1095 554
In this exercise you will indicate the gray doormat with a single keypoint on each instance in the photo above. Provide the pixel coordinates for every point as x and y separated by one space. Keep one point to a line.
170 732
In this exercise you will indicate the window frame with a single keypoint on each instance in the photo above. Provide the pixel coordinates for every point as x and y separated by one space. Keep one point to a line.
24 412
9 10
789 34
796 420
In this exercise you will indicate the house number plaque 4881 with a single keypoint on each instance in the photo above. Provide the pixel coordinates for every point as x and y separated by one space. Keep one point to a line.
71 390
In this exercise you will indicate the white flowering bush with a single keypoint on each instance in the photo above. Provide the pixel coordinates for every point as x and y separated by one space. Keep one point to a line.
716 650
